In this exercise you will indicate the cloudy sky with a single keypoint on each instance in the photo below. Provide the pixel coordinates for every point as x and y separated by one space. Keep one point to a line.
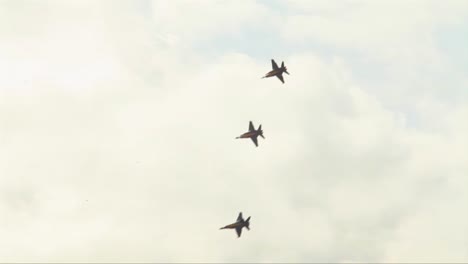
118 119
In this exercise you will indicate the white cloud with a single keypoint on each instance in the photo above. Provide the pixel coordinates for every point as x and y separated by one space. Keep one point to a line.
118 145
205 19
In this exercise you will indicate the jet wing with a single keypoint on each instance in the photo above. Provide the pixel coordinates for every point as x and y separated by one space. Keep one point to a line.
280 76
239 218
274 65
254 139
239 231
251 127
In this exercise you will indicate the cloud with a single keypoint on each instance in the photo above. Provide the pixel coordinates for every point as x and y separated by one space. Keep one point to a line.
118 145
218 18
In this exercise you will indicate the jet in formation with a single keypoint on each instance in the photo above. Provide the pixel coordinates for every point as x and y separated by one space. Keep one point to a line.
277 71
253 134
239 224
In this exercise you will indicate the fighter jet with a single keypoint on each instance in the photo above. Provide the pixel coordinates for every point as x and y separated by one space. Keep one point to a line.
238 225
253 134
278 72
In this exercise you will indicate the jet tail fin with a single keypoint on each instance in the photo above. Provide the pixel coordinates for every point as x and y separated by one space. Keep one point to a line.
261 132
284 67
247 223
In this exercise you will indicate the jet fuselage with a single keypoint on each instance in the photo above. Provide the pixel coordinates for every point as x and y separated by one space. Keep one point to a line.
275 72
250 134
236 225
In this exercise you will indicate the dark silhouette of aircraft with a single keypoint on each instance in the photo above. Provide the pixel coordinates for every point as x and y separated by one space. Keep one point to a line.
239 224
253 134
278 72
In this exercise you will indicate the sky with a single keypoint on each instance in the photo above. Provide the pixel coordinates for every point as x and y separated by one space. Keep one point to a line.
118 119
